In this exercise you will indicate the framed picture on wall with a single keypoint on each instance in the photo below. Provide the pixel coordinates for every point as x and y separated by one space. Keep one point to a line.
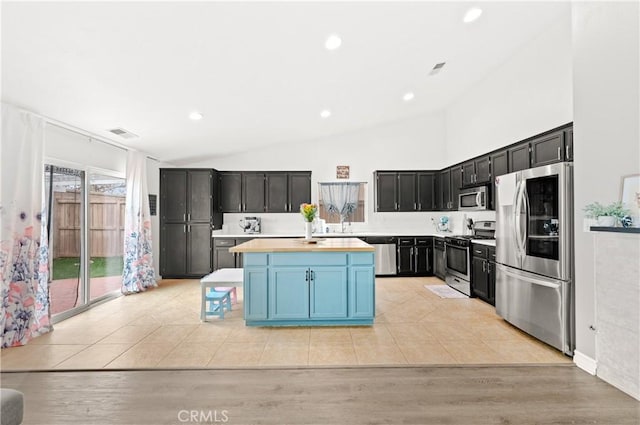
630 195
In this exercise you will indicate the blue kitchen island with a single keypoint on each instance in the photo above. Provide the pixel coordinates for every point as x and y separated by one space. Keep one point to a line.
290 282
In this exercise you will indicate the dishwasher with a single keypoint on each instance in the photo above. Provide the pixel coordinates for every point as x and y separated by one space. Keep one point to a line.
385 254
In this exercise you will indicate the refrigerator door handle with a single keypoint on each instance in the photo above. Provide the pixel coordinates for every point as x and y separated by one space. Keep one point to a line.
517 218
523 229
530 279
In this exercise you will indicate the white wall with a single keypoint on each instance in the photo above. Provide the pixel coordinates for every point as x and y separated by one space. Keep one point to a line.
417 143
74 148
606 129
528 94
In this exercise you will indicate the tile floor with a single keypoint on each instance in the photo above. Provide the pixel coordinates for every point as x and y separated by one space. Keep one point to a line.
161 329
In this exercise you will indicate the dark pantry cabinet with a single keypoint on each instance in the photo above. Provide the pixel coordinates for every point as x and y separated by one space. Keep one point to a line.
187 218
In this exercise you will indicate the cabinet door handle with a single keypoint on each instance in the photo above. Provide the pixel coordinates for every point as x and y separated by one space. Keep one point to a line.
306 277
567 152
184 217
559 153
189 217
415 206
484 265
188 228
239 207
313 275
184 228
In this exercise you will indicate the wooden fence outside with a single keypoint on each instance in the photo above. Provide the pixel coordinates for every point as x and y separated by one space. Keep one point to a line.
106 221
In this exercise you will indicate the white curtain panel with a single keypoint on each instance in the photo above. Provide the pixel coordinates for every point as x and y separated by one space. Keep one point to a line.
340 198
138 273
24 252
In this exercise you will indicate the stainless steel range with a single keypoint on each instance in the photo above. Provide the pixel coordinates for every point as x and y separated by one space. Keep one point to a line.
458 255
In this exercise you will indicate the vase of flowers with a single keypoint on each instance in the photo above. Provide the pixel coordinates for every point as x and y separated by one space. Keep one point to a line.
308 212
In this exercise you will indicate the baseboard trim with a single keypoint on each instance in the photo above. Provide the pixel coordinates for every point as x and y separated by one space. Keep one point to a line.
585 362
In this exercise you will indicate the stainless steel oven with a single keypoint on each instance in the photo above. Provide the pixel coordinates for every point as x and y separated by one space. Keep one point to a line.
458 264
458 255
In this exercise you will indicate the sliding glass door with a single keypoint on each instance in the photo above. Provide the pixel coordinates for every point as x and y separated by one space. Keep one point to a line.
86 230
65 192
107 195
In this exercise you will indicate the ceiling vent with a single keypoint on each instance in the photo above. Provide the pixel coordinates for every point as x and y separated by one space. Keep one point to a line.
121 132
437 68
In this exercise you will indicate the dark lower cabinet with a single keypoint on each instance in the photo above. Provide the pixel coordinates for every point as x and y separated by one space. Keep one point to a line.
414 256
438 258
483 279
222 258
185 250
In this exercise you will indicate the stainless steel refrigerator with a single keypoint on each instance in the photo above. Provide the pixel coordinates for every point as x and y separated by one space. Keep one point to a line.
534 253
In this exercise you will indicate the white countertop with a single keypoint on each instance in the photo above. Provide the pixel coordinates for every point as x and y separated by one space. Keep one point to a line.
226 234
489 242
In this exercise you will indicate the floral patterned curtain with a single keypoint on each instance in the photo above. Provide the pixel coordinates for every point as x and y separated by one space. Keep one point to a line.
138 273
24 252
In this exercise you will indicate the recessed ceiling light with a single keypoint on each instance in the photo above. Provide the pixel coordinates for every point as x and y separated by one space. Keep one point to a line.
325 113
408 96
195 116
472 14
333 42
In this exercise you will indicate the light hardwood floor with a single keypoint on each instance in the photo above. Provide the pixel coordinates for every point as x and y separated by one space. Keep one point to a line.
161 329
362 395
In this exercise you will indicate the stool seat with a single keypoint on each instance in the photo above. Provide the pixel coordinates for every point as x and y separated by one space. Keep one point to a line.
218 301
221 280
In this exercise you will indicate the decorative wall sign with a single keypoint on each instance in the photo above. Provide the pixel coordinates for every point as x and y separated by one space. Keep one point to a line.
342 172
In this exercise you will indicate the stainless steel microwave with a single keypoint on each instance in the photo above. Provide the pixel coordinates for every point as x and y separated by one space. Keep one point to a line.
473 199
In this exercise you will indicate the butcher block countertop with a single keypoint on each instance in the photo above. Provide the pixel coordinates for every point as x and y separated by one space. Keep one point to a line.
299 245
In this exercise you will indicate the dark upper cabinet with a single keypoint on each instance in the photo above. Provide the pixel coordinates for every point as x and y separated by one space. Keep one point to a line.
483 170
276 186
173 195
519 157
407 191
456 184
186 195
444 190
299 190
499 163
476 172
568 144
547 149
386 191
468 172
253 192
259 192
230 187
200 194
426 191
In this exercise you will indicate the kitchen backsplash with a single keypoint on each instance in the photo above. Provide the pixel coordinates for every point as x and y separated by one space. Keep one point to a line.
405 222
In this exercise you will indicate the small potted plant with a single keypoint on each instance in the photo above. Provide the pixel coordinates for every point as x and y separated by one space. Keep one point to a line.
607 215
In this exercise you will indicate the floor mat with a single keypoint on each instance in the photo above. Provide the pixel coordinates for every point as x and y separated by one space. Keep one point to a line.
445 291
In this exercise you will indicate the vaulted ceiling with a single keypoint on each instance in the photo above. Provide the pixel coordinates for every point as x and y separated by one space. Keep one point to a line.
258 72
